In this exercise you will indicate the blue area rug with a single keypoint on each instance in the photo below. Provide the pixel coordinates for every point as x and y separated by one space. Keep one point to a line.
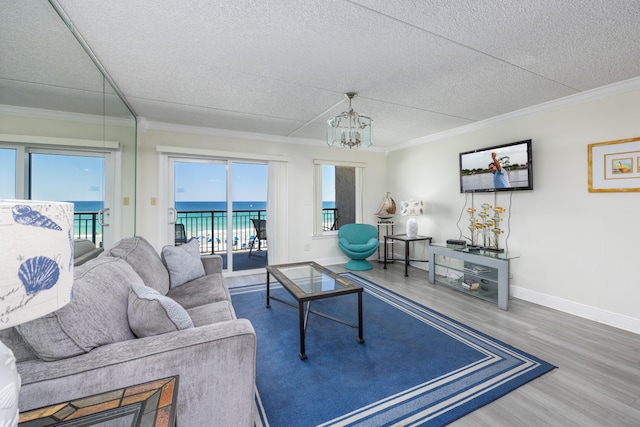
416 367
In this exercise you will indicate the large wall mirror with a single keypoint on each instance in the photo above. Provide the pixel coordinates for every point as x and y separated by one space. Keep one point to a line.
65 133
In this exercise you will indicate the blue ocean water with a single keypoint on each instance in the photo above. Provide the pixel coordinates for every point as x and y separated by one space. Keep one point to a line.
206 219
237 206
87 206
96 205
219 206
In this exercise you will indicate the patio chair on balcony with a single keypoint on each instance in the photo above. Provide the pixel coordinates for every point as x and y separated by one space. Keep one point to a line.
261 233
181 235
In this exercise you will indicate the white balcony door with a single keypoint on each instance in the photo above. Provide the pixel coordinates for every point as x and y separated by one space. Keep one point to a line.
85 178
213 200
82 179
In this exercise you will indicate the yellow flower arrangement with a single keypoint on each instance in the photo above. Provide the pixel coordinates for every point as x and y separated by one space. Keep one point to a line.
487 225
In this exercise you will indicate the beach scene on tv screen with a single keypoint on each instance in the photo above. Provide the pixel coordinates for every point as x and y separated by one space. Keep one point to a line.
475 173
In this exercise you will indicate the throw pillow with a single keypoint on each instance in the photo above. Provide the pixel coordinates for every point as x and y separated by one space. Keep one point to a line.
151 313
144 259
96 315
183 263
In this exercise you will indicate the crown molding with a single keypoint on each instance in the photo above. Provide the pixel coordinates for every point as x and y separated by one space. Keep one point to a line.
56 141
625 86
144 125
39 113
167 149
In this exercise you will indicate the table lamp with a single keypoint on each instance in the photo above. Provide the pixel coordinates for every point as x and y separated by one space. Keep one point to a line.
36 277
411 208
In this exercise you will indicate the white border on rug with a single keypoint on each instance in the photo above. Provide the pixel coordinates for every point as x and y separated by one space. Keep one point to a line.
393 407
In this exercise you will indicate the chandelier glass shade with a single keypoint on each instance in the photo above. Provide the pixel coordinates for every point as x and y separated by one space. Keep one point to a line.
350 129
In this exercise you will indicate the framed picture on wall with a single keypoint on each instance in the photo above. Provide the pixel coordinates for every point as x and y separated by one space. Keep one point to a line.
614 166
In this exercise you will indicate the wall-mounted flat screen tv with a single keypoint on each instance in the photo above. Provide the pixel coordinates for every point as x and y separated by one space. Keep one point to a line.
505 167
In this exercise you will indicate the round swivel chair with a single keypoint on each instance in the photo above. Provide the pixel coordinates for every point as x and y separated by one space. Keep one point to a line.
358 242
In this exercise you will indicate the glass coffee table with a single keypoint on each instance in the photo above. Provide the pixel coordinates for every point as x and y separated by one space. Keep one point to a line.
308 281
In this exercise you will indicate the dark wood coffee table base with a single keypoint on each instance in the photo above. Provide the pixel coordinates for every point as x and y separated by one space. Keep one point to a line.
304 298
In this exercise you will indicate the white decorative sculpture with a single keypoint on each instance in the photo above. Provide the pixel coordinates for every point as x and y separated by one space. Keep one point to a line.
411 208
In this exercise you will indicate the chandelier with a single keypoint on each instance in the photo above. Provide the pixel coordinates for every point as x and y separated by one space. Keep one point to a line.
349 129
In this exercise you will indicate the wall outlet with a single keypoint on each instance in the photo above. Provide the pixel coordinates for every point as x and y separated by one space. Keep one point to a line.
154 201
307 247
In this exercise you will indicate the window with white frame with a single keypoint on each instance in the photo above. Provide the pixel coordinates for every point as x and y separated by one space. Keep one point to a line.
338 195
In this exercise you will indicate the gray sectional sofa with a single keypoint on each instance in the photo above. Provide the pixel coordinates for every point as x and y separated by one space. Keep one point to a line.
84 250
136 317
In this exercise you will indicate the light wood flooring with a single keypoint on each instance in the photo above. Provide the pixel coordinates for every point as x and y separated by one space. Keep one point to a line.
597 382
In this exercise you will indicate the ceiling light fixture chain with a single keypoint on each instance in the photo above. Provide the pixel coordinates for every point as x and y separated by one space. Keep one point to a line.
350 129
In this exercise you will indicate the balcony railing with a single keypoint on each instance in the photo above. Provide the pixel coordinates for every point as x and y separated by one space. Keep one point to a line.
209 227
329 219
86 226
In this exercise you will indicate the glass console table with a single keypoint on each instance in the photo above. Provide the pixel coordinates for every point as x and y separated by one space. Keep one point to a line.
490 270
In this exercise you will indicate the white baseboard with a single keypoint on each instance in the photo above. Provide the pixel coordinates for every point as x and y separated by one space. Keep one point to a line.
333 260
419 264
596 314
571 307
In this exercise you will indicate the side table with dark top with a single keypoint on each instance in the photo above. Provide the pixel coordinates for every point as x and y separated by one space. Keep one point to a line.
406 239
384 227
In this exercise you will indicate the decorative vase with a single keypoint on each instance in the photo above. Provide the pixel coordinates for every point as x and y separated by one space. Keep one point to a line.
412 228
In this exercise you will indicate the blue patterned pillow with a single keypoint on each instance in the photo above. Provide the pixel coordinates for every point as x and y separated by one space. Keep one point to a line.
151 313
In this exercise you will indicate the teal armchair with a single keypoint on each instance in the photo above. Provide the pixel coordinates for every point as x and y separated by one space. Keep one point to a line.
358 242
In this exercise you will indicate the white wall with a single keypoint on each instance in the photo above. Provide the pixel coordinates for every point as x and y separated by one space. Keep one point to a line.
578 249
300 186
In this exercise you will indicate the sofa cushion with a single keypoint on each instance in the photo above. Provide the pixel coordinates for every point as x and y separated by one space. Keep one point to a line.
96 315
204 290
183 263
21 350
84 250
144 260
209 314
151 314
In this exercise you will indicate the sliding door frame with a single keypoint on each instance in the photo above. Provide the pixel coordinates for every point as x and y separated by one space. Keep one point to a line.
277 207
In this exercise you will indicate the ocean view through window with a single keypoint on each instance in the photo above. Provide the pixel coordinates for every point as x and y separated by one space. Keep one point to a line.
337 195
206 221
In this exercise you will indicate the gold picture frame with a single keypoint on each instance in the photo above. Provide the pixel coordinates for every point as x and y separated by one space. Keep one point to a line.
614 166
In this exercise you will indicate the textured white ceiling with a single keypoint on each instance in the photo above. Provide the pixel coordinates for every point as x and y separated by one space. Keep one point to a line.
278 66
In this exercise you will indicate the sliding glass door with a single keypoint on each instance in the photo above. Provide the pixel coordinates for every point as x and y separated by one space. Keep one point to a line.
222 204
8 173
249 216
85 178
76 178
